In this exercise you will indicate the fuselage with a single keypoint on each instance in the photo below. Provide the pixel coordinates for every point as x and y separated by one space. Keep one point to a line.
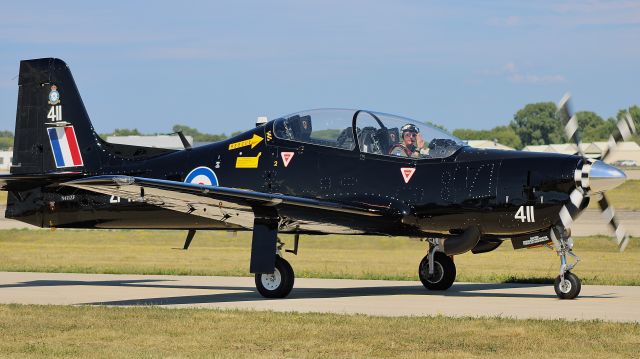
505 193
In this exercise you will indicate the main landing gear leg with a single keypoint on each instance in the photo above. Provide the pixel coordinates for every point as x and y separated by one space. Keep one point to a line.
436 270
567 284
274 276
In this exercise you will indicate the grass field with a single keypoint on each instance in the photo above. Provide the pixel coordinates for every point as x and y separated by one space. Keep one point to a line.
63 331
220 253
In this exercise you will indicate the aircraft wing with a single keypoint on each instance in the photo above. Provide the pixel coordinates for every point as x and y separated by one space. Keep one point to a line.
232 205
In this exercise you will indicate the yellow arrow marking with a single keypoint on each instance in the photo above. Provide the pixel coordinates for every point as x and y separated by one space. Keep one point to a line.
253 141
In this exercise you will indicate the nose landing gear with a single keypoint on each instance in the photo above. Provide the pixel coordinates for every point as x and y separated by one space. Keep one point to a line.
567 285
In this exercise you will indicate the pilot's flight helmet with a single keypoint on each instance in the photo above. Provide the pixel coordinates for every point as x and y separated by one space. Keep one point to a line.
409 127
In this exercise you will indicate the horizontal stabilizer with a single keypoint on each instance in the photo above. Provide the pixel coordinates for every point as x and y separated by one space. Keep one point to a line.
10 182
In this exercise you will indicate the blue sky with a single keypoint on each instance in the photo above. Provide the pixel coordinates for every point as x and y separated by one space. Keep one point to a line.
218 65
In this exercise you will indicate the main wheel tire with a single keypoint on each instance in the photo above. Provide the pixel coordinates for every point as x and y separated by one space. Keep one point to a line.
279 283
444 272
570 288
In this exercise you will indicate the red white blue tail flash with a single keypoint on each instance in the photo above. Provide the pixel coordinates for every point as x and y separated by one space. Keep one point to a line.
64 145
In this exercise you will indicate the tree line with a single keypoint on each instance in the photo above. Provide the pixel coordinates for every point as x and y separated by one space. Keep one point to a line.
186 130
534 124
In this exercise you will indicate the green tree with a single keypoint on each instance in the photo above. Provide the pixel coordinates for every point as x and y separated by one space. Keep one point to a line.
6 140
197 135
635 114
328 134
507 136
592 127
437 126
535 124
126 132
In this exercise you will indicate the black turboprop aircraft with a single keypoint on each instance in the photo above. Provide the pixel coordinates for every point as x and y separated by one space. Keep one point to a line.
314 172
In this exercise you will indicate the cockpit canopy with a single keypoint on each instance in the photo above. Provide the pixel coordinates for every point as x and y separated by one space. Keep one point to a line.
377 133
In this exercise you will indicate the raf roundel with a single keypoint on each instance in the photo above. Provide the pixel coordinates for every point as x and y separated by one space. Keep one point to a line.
202 175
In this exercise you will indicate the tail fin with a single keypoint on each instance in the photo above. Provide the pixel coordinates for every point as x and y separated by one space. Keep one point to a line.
53 131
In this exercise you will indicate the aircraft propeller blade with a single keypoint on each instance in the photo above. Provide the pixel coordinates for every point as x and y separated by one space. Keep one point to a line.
570 121
608 213
594 177
570 212
623 132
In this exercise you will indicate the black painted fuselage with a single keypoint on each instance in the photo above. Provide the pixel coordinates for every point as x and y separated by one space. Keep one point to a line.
471 187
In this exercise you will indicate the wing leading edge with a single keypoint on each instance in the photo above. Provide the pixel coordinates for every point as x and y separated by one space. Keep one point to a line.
231 205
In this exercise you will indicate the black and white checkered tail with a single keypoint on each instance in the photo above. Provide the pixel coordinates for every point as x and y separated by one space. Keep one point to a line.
623 132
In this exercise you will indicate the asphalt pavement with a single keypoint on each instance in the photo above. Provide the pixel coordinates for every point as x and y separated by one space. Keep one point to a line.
372 297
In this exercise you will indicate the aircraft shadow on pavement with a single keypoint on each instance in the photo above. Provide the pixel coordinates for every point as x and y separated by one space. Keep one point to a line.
138 283
249 294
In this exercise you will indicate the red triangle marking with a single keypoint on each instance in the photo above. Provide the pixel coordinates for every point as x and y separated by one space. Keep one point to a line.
407 172
286 157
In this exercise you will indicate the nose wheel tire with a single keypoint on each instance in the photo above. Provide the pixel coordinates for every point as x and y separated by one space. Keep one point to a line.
277 284
569 288
444 272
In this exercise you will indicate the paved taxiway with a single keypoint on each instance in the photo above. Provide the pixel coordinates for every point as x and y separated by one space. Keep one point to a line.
387 298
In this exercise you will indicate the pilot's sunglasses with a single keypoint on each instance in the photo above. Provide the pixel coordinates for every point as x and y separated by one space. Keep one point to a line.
410 134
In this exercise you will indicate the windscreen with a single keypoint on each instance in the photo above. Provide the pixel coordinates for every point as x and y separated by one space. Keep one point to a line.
376 133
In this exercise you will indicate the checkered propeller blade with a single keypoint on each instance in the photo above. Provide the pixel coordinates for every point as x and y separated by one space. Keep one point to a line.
565 114
589 183
623 132
570 212
609 215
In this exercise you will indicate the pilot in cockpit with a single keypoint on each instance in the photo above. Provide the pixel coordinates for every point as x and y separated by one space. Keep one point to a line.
411 143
